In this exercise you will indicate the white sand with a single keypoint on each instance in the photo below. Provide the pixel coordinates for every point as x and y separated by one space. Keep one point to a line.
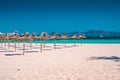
87 62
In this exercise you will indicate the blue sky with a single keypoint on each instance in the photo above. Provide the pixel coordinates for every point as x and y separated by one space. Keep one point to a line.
59 15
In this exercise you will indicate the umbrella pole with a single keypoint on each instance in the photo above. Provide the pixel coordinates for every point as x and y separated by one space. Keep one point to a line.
5 43
62 42
23 48
81 41
54 43
15 45
8 44
74 42
40 45
18 43
65 43
1 43
44 43
36 42
30 45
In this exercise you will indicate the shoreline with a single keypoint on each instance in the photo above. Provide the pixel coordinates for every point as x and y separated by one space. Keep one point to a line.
66 43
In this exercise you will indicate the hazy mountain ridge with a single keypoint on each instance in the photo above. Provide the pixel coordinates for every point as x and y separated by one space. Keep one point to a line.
92 33
101 33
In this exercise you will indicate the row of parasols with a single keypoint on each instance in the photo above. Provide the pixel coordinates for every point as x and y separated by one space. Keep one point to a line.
33 36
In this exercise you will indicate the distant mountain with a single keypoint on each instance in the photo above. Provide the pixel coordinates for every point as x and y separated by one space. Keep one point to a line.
101 33
89 34
93 34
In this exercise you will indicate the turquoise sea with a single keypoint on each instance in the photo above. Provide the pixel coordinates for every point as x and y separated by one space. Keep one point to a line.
85 41
71 41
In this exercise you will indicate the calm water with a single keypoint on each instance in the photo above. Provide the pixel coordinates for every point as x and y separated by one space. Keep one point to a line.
87 41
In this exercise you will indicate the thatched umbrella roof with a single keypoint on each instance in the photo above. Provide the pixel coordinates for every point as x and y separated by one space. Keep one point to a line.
24 37
40 37
64 37
81 36
13 37
54 36
4 37
34 36
45 36
1 37
74 37
29 38
21 38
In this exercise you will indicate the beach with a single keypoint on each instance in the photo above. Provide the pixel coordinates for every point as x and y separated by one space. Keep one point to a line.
86 62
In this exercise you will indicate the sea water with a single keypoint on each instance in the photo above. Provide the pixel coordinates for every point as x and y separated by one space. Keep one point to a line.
85 41
71 41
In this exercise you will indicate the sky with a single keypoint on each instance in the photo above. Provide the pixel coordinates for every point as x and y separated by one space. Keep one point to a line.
59 15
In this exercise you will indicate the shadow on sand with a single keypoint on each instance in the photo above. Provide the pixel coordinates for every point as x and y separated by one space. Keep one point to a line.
69 46
22 49
58 48
113 58
31 51
2 49
36 47
7 51
12 54
47 49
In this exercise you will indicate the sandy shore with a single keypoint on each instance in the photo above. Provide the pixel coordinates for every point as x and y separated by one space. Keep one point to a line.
87 62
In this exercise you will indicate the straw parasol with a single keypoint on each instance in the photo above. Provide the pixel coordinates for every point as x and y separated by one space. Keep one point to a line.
30 38
24 38
35 37
54 37
1 40
81 37
64 37
7 37
4 40
74 37
40 38
15 39
45 36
